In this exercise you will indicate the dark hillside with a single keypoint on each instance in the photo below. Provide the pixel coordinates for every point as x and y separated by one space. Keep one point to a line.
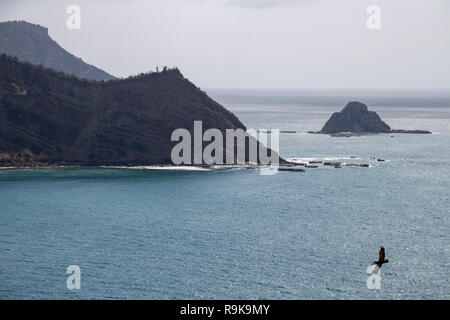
48 117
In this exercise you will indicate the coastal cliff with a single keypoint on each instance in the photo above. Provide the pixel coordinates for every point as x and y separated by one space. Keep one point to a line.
50 118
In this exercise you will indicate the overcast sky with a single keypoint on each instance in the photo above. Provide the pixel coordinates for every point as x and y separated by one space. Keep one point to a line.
284 44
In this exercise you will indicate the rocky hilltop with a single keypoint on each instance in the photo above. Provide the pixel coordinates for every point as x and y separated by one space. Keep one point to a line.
355 118
50 118
31 43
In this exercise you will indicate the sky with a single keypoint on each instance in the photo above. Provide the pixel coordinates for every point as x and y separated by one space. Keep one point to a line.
257 44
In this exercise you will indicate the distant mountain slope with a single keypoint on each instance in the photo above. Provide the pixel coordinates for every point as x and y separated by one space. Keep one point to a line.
47 117
31 43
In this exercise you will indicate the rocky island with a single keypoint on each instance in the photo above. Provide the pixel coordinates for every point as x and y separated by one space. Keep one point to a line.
356 119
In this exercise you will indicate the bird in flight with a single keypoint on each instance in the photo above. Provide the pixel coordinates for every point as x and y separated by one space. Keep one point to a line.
381 259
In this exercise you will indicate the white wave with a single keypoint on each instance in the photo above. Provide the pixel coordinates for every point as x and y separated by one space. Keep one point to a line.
232 167
307 160
184 168
178 168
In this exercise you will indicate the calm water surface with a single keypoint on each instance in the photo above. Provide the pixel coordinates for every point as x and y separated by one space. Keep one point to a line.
235 234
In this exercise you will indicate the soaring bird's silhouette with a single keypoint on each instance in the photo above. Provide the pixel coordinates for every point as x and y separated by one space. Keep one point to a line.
381 259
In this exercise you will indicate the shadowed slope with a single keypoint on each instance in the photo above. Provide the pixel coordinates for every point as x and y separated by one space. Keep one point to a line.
48 117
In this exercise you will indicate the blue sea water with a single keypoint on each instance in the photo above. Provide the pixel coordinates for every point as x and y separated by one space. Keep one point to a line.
236 234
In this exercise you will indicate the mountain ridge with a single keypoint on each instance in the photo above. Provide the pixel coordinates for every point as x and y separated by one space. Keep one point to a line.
51 118
32 43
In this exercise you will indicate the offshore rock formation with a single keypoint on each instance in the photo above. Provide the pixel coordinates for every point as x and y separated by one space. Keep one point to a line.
356 119
50 118
31 43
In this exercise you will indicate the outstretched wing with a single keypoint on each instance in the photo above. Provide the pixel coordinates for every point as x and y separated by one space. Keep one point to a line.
382 254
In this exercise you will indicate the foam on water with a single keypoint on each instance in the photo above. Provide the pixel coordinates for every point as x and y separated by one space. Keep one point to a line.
175 168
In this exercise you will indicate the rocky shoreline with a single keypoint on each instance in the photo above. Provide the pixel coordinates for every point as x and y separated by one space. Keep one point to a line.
362 133
287 166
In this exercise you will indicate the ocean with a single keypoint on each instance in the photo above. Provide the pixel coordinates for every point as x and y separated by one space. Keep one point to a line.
237 234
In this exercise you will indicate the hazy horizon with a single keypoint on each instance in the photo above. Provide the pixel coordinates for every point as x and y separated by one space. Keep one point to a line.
258 45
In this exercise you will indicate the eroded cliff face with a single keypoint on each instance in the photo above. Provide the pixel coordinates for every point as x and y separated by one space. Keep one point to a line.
356 118
49 118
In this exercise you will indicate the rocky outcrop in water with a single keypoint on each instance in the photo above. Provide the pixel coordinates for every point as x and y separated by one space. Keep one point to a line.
356 119
410 131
